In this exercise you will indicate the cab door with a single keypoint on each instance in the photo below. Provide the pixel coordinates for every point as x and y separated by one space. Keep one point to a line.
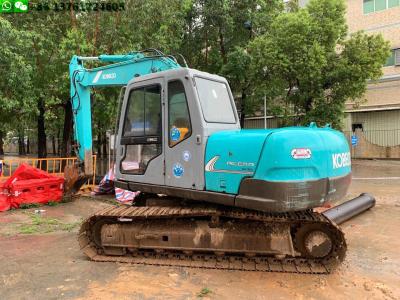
184 151
140 156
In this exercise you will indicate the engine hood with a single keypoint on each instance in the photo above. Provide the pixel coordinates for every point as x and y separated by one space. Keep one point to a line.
289 154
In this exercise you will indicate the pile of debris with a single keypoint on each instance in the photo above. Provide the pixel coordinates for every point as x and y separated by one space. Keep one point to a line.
30 185
106 187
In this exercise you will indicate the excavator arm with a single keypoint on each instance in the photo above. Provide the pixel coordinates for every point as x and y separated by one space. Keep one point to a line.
118 71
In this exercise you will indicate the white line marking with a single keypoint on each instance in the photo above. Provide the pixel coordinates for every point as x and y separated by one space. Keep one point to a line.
97 77
377 178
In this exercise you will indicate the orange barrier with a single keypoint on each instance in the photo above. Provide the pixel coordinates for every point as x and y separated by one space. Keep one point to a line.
53 165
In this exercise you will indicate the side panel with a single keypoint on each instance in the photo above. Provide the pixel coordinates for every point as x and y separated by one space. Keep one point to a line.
232 156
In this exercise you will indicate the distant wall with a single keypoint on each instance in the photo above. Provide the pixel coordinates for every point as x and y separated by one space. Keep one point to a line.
366 149
381 143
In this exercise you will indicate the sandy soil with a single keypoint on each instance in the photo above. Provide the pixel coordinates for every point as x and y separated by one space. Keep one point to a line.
47 263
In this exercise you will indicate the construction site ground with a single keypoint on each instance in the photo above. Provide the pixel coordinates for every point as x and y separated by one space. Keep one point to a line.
40 257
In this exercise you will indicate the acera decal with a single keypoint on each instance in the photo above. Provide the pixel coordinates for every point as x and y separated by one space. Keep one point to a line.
341 160
301 153
210 167
240 164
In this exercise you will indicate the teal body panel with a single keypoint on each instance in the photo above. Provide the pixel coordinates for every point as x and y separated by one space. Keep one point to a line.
290 154
119 72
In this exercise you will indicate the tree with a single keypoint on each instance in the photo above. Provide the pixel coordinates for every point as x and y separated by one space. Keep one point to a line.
15 102
308 66
216 40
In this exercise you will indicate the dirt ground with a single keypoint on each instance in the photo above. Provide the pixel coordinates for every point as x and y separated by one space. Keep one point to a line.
40 257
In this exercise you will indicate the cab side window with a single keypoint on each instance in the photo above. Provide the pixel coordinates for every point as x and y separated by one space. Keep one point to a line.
178 113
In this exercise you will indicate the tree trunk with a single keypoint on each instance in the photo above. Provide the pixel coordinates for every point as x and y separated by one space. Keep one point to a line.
98 144
42 149
58 142
53 141
206 50
222 46
1 142
28 146
72 14
21 142
104 144
66 142
242 108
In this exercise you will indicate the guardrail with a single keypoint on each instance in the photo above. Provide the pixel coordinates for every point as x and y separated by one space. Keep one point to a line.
53 165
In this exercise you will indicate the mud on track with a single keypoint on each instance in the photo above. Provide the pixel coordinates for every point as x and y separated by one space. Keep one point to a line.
46 263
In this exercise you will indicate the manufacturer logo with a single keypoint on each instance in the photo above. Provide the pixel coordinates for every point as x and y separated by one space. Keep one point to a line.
109 76
341 160
97 77
13 6
301 153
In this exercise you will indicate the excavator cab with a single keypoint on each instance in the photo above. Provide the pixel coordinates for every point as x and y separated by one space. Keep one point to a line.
166 119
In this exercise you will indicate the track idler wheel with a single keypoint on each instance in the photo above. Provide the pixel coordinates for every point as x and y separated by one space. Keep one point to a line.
314 241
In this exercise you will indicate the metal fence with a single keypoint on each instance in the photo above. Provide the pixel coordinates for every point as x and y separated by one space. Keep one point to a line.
54 166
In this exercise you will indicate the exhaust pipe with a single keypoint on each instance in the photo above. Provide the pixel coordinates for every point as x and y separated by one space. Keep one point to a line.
345 211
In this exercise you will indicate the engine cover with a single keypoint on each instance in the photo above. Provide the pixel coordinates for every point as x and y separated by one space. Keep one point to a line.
283 169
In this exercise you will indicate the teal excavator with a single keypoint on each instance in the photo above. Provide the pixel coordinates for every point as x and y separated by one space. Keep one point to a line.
213 195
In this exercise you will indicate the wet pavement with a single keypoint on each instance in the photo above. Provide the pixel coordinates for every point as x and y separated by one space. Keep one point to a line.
40 257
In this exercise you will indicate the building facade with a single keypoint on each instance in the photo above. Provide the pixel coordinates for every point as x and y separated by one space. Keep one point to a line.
378 116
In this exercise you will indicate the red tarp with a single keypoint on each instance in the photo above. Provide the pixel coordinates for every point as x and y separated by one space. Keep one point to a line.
30 185
4 201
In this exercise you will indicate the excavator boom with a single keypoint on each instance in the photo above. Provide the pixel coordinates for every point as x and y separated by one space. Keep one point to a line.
118 71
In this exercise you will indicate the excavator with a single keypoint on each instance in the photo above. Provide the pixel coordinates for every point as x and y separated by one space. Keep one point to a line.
212 195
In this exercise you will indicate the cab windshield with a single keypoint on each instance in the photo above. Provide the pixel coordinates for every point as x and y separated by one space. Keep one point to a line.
215 101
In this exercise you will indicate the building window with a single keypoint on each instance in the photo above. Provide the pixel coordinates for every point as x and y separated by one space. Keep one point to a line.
380 5
393 59
356 126
370 6
393 3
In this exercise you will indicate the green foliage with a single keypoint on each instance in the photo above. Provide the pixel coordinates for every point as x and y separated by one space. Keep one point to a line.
17 73
40 224
204 292
308 67
29 205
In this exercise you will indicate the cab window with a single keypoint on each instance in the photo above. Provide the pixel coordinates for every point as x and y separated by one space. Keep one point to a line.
142 129
178 114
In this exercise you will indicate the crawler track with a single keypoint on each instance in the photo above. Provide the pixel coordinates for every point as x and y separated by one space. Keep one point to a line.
91 244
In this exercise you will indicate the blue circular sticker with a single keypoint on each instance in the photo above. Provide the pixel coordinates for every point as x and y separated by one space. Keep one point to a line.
178 170
186 155
175 134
